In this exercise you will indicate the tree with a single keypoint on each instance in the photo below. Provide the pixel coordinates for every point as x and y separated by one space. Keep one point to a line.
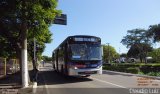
154 32
135 36
6 49
155 54
109 53
46 58
24 19
37 26
139 50
137 40
123 55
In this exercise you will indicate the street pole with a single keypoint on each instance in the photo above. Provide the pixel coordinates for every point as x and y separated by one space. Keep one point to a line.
35 62
108 53
119 56
34 52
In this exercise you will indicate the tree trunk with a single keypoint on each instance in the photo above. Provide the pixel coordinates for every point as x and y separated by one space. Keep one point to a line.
24 46
24 57
145 55
18 52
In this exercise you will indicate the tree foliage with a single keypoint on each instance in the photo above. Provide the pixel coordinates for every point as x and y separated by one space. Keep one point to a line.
139 50
38 15
154 32
109 53
155 54
139 42
135 36
46 58
123 55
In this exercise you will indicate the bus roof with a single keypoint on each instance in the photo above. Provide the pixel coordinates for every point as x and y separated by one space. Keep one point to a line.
87 36
82 36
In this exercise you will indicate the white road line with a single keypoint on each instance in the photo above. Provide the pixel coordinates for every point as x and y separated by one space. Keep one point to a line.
34 87
47 91
108 82
157 80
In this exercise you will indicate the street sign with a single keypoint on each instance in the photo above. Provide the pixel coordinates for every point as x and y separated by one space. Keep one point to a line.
61 20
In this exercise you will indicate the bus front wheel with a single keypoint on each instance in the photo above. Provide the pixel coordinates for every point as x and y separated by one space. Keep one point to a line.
86 75
62 70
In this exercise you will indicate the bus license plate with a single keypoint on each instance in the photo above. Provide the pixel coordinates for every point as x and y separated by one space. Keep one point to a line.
94 65
88 72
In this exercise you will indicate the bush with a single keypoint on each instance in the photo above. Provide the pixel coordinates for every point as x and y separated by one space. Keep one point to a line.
148 69
132 70
140 72
158 74
152 74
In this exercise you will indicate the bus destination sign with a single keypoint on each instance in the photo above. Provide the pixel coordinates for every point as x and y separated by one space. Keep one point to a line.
87 39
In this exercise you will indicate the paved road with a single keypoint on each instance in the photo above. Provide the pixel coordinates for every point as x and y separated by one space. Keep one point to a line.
51 82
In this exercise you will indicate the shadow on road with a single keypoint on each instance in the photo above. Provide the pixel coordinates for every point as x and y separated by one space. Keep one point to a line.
10 81
53 78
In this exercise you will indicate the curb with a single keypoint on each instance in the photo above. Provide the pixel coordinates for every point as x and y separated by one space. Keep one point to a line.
10 86
154 77
3 77
34 87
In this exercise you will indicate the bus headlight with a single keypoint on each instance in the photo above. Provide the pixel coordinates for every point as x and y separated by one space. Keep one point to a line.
75 67
99 66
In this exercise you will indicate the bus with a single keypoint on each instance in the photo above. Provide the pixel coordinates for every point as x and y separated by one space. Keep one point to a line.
78 55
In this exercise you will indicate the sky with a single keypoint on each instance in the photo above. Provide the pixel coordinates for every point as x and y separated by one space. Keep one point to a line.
107 19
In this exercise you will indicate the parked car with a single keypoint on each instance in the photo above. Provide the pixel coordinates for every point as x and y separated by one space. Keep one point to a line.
9 69
132 60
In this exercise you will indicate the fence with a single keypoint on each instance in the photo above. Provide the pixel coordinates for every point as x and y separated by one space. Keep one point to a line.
8 66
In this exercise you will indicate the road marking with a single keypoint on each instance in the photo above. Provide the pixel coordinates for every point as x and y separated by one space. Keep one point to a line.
34 87
156 80
108 82
136 75
47 91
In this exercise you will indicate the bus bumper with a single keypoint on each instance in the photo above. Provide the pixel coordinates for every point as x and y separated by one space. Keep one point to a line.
83 72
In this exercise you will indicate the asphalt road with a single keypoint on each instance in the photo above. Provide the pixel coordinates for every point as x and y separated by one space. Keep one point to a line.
51 82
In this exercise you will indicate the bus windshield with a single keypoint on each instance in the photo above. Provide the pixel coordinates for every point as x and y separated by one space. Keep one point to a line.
85 52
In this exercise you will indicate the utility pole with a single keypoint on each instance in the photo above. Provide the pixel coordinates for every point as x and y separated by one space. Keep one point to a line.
108 53
119 50
35 62
34 54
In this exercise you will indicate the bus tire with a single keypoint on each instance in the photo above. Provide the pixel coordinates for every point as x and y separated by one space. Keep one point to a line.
86 75
54 66
62 70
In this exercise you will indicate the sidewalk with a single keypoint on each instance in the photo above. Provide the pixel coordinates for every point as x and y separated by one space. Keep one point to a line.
11 81
2 76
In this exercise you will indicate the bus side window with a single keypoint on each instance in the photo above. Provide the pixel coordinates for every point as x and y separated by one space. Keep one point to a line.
68 52
65 52
57 56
